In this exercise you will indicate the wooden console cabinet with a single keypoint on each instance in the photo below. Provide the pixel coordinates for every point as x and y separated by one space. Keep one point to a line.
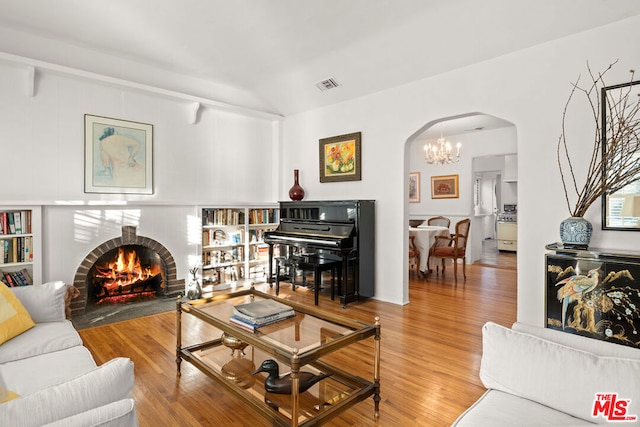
595 293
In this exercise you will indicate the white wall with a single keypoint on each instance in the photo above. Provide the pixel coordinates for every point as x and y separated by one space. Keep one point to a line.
225 158
528 88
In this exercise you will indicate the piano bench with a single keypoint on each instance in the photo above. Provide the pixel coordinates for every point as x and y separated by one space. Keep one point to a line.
288 264
319 264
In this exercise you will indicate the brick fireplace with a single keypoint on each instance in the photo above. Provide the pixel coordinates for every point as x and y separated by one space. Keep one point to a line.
171 285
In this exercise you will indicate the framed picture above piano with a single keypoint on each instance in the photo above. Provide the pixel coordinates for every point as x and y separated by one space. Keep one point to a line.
340 158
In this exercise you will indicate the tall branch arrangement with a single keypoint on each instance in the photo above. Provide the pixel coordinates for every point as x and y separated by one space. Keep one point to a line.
615 159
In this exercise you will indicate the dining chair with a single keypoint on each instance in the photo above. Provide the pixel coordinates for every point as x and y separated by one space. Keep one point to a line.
453 247
439 220
414 255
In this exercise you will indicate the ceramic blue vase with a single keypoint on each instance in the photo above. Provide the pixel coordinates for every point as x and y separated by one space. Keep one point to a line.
575 232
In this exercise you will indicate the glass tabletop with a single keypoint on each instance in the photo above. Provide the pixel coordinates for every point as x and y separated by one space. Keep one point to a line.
308 331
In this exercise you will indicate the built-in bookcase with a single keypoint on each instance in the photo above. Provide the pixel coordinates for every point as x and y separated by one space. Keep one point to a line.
233 249
20 245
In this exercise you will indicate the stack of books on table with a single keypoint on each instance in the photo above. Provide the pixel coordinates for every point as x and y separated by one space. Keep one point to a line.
254 315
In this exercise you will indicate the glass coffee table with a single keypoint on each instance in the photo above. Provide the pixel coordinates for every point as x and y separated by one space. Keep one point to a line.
298 345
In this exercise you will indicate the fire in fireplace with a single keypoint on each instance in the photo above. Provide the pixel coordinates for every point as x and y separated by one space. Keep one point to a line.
99 277
129 272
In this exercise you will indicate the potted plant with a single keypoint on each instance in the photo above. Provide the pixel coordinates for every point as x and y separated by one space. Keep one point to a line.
614 160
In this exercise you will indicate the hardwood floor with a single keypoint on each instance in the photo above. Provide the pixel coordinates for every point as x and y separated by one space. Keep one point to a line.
431 350
492 256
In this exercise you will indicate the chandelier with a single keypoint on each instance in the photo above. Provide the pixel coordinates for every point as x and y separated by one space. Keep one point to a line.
441 152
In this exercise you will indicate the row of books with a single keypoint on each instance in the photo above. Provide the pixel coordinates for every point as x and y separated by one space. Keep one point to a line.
256 236
16 249
16 278
259 252
222 217
252 316
263 216
258 272
15 222
226 216
222 275
217 258
217 237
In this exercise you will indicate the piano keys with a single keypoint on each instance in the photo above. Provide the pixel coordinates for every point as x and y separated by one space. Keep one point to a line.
343 229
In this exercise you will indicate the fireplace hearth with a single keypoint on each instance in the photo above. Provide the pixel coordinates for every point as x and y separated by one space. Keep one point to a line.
126 269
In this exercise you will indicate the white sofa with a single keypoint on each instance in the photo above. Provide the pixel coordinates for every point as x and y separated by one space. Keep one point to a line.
55 377
543 377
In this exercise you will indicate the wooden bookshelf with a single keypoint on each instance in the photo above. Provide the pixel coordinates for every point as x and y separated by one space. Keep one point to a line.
20 245
233 250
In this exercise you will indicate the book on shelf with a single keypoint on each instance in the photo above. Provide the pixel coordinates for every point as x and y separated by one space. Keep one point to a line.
12 224
9 279
14 247
24 277
17 220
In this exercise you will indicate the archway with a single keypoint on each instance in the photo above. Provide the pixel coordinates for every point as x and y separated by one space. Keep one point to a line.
482 136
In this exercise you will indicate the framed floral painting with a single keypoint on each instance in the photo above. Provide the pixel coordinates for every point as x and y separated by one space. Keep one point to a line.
444 187
340 158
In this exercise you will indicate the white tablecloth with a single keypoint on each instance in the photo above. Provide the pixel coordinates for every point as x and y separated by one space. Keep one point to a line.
425 236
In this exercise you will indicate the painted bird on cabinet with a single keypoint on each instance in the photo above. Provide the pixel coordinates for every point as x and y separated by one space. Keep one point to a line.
573 289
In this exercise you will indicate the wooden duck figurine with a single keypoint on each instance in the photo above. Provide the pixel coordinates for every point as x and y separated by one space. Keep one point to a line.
282 385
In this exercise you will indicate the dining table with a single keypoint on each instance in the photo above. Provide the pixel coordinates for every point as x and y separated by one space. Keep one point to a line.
425 236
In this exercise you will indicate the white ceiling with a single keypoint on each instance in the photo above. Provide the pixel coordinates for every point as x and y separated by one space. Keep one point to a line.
269 54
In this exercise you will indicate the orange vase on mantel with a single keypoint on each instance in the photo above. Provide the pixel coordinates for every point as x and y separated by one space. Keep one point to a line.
296 192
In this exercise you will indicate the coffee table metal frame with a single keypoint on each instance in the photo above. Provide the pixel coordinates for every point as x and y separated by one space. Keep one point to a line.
295 359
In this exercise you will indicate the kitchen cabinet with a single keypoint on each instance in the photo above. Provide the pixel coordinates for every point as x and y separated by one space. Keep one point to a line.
510 168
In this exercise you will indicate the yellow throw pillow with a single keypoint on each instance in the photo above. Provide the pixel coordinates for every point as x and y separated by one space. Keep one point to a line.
7 395
14 318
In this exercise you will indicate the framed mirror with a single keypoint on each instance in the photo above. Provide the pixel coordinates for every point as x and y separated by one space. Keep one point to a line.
621 209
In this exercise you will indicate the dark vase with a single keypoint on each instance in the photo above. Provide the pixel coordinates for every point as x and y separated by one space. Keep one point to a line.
296 192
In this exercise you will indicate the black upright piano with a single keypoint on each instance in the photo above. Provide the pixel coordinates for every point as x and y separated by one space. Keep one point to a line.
342 228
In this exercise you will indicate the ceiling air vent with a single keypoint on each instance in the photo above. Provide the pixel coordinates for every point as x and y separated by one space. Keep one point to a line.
330 83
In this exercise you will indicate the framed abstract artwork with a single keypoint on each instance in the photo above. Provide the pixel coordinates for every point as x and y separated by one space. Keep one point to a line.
444 187
118 156
340 158
414 187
